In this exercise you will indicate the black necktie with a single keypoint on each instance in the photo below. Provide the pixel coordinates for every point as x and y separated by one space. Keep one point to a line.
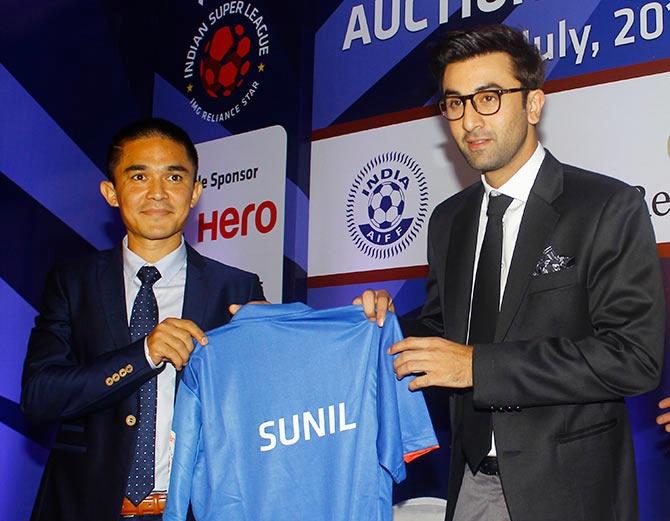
143 320
483 317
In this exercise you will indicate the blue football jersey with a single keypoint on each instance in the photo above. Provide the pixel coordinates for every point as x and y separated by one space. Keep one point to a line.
290 413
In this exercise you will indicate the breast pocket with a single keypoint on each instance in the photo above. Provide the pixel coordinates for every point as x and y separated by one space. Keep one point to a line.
549 281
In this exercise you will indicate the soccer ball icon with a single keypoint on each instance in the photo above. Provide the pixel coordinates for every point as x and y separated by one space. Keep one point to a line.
386 204
223 65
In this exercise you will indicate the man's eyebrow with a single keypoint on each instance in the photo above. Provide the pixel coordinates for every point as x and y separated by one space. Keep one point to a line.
135 168
142 168
485 86
489 86
177 168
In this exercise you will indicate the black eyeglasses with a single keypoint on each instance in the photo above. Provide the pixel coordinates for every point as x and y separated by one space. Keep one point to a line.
485 102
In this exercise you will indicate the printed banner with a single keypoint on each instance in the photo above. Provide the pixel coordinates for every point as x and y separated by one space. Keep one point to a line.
240 217
372 191
365 50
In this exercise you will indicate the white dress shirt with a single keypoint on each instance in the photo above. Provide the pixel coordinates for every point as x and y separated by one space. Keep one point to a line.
518 188
169 292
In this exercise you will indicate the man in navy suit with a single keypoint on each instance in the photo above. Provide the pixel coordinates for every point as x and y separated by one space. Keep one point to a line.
544 305
114 330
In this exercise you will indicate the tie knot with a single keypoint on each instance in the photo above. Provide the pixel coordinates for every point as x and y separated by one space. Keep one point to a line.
497 205
148 275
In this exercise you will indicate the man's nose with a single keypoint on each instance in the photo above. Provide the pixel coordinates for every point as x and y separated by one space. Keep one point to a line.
471 118
156 189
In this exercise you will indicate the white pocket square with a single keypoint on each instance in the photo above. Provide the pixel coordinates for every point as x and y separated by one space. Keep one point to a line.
551 262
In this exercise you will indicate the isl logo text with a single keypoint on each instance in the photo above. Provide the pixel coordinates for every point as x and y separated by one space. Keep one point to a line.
225 60
387 205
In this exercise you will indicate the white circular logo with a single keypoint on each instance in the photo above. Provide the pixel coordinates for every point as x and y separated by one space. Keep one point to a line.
387 205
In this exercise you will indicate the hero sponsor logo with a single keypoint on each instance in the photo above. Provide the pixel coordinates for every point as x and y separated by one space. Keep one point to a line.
232 222
387 205
226 59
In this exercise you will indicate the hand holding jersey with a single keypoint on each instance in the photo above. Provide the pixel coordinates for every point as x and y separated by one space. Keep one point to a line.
436 361
375 305
172 341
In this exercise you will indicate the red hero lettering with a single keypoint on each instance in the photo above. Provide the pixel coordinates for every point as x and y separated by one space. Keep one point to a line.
232 222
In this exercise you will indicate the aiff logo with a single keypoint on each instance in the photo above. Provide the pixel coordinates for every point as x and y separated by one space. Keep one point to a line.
387 205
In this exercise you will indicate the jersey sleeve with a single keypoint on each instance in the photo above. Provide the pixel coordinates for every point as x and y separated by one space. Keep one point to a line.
405 429
186 429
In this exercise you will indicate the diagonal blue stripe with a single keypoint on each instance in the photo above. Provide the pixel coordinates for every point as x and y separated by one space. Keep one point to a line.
34 241
41 158
341 77
170 104
541 18
12 417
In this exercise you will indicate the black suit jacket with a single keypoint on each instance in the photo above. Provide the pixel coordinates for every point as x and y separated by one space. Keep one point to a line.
81 339
569 345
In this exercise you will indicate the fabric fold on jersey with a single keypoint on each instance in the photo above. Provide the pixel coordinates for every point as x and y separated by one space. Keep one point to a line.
293 413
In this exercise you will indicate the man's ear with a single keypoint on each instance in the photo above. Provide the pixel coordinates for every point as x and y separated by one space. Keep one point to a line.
197 192
109 193
534 105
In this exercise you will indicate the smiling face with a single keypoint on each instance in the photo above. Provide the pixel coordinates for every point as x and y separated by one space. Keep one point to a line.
501 143
154 188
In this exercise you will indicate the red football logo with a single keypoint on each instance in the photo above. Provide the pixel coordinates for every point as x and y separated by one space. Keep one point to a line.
223 66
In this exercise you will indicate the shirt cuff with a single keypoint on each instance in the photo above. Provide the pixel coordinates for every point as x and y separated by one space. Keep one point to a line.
146 354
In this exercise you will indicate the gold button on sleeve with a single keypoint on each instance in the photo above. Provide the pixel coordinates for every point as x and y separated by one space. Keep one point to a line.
109 381
131 420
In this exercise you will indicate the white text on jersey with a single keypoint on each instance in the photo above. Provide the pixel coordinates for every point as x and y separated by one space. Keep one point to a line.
336 422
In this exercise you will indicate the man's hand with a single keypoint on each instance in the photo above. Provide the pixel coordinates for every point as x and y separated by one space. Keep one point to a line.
437 361
375 305
234 308
664 419
172 341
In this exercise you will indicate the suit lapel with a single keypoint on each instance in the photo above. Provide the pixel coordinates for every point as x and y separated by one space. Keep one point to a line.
539 219
112 295
195 291
459 266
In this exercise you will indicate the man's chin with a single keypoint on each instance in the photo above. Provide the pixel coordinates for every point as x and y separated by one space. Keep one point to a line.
161 235
479 162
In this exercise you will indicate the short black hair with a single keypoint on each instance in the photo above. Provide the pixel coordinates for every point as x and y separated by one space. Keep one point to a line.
468 43
149 127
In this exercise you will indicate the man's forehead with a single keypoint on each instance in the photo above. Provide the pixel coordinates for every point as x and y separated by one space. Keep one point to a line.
491 70
157 150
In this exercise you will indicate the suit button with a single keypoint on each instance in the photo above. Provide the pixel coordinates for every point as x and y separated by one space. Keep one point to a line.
122 372
493 408
509 408
116 377
109 381
129 368
131 420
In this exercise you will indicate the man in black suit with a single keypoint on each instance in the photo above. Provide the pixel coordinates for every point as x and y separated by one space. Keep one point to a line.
114 330
544 305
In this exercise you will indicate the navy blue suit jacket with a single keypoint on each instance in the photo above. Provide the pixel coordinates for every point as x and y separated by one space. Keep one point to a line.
76 351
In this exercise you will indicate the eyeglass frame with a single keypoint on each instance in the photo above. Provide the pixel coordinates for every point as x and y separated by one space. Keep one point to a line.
471 97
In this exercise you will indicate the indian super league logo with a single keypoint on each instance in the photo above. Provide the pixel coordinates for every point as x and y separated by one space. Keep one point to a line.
387 205
226 60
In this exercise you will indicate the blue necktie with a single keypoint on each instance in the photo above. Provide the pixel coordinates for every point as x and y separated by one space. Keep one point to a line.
143 320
